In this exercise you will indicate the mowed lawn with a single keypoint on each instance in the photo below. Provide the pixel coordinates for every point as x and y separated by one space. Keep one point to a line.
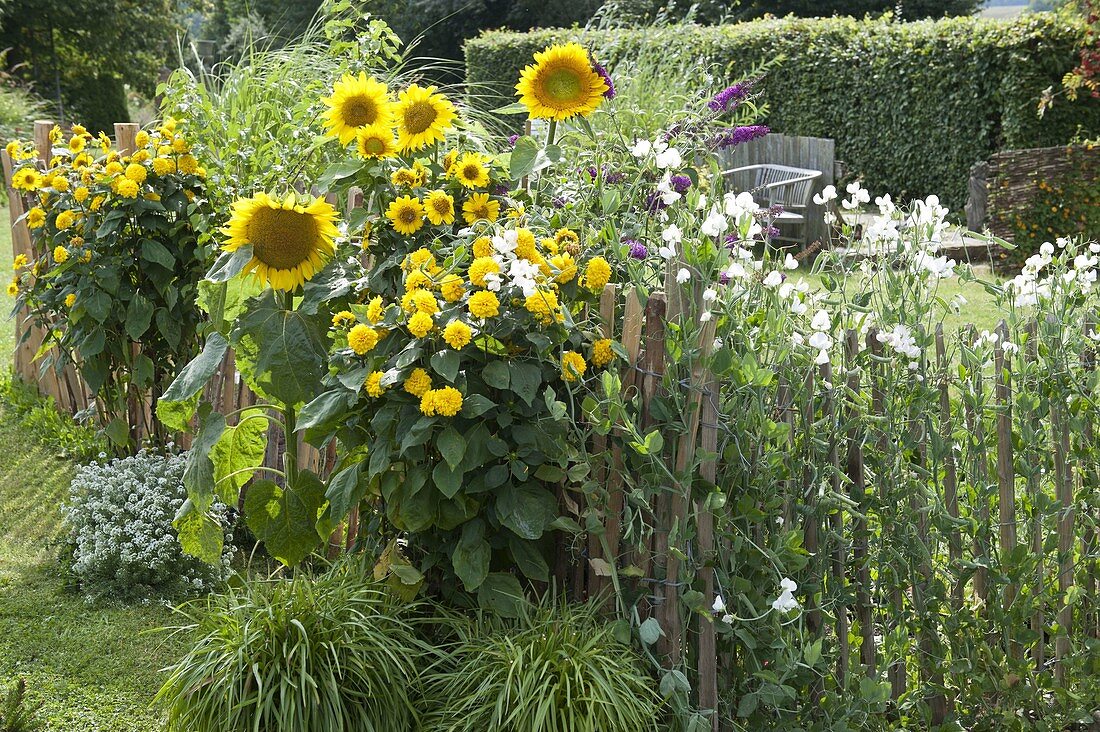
96 669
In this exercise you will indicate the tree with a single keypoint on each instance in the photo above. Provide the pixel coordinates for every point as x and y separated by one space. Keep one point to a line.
80 55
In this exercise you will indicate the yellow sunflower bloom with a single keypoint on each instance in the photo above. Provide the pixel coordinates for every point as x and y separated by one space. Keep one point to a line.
374 384
597 274
60 184
480 268
362 339
290 242
423 117
60 254
343 319
479 207
602 354
483 246
420 324
20 262
36 218
13 288
356 102
136 172
457 334
418 383
64 220
26 179
560 84
572 366
439 208
483 304
376 310
445 402
452 288
407 215
543 304
471 171
127 188
70 299
375 142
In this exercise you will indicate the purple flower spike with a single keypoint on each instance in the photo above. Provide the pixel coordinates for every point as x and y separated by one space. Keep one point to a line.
637 249
613 178
680 183
730 97
739 135
512 140
599 69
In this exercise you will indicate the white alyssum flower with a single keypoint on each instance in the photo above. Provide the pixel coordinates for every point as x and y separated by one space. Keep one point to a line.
786 602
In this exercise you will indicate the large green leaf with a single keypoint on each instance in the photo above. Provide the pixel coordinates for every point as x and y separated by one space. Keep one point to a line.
501 593
345 490
238 453
529 559
527 509
195 374
200 535
525 380
198 474
285 519
471 556
138 315
291 348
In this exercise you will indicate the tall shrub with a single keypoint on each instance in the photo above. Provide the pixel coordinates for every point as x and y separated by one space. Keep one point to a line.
912 106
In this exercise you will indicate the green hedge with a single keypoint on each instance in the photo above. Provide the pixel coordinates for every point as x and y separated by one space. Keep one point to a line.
911 105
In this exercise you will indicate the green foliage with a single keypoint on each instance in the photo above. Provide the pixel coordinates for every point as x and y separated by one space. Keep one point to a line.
912 106
18 109
558 667
16 715
39 416
118 266
327 653
79 55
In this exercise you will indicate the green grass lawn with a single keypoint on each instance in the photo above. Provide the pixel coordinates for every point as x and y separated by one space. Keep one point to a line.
96 669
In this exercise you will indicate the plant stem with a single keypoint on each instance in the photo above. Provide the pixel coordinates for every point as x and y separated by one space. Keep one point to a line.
290 456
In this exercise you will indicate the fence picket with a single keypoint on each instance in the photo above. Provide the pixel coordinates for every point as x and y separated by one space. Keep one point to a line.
862 570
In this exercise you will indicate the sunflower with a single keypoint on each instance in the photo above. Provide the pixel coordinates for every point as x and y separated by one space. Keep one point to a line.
439 208
471 171
407 215
375 141
478 207
290 241
26 179
422 117
560 84
356 103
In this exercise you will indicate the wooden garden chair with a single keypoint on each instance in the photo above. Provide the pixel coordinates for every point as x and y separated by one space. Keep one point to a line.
791 188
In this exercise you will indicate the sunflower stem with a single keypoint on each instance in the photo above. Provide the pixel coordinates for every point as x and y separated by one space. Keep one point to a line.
290 456
551 129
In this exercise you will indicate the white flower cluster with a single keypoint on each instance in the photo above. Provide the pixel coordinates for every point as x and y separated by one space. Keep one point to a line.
1030 286
119 519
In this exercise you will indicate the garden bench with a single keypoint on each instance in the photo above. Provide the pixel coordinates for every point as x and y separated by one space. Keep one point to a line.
786 186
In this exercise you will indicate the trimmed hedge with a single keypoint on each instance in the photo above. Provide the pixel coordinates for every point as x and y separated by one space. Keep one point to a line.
911 105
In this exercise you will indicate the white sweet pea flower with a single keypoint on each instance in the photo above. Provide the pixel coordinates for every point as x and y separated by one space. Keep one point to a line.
506 242
736 271
822 358
664 188
798 307
786 602
493 281
710 294
797 339
858 195
669 158
705 316
701 204
885 205
672 234
790 262
773 279
820 341
1046 249
719 605
716 224
728 619
683 276
739 204
821 321
826 195
641 148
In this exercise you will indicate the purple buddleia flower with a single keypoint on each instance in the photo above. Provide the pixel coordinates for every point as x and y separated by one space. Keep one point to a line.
637 249
775 210
770 232
653 203
613 178
739 136
731 241
599 69
680 183
500 190
592 172
512 140
723 279
559 201
730 97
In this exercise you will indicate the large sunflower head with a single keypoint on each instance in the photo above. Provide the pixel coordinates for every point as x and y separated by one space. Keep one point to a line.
423 116
375 141
26 179
356 102
561 83
290 240
406 214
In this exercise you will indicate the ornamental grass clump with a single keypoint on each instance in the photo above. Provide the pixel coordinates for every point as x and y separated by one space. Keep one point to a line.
327 653
558 669
124 546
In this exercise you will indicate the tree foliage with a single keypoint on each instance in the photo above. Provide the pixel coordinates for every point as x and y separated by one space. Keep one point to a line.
79 55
